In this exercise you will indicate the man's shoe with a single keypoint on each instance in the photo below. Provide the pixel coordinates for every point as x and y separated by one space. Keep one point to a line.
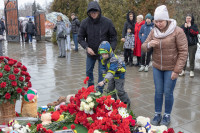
182 73
156 120
146 69
141 68
191 74
166 120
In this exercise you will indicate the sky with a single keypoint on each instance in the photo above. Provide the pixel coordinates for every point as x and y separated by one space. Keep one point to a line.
22 2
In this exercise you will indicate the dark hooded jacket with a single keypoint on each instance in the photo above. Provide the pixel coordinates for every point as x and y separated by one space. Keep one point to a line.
129 23
2 27
191 33
30 27
75 25
93 31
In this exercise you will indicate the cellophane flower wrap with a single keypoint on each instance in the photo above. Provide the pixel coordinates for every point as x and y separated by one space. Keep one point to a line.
14 80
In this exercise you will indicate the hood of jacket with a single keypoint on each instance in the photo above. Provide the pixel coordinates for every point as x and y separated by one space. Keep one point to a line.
94 5
132 22
151 24
105 46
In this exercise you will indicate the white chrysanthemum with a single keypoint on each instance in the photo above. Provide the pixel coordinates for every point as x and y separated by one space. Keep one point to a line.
83 104
100 118
86 107
108 108
91 105
89 99
81 108
123 112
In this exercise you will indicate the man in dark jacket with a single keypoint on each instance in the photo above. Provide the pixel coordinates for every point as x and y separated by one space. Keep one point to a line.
75 26
93 30
30 29
2 28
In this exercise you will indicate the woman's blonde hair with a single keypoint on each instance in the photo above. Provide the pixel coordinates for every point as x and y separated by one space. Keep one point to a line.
140 16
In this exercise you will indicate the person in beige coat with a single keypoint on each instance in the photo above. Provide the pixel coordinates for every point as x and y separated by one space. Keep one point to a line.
170 48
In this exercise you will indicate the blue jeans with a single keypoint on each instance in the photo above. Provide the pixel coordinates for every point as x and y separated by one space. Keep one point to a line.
75 38
164 85
90 63
30 37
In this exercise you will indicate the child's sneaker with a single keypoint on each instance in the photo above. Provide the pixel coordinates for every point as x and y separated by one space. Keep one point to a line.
141 68
156 120
166 120
146 69
182 73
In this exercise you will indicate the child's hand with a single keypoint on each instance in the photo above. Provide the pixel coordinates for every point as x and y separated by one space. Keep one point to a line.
123 39
101 83
133 49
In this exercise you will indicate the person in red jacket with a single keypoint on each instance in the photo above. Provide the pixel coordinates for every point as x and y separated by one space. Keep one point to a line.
137 49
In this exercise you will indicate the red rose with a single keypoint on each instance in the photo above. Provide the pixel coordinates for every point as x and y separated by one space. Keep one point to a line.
55 116
7 96
24 68
19 90
3 84
1 57
73 126
11 62
1 74
25 88
7 57
64 128
7 68
49 131
11 77
27 79
23 73
19 64
16 70
14 83
29 124
29 84
21 79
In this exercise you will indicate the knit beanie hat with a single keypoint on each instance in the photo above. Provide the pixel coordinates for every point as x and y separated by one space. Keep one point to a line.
148 16
161 13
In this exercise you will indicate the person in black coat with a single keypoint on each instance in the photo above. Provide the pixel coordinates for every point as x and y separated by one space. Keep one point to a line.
75 27
129 23
30 29
2 28
93 30
191 31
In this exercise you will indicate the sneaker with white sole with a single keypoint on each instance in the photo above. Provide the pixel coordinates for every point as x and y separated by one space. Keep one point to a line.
156 120
165 120
191 73
182 73
141 68
146 69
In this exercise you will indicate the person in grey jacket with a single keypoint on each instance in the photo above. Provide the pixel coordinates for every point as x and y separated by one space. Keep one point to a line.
129 47
30 29
61 33
68 41
75 27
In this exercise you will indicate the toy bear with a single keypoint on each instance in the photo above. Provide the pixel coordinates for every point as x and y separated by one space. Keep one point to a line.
46 118
60 100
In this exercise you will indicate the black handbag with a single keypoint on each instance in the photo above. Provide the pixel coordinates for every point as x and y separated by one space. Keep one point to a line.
61 35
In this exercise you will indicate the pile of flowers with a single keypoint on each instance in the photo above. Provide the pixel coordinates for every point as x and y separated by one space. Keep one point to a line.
14 80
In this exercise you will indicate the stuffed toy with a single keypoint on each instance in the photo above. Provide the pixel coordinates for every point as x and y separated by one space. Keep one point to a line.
21 129
142 121
158 129
58 106
7 129
29 104
46 118
60 100
140 130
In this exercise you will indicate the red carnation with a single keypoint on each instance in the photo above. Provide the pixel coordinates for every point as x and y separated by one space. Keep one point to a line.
55 116
29 124
64 128
27 79
19 90
1 57
14 83
3 84
7 96
85 80
29 84
1 74
7 68
16 70
73 126
49 131
21 79
24 68
25 88
11 77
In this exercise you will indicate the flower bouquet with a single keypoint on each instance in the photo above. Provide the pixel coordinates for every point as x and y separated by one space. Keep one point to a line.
14 81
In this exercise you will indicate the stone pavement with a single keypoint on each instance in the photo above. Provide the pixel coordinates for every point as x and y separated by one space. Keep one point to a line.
54 77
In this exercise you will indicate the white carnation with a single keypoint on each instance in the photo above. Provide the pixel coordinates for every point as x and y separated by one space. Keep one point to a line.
91 105
89 99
